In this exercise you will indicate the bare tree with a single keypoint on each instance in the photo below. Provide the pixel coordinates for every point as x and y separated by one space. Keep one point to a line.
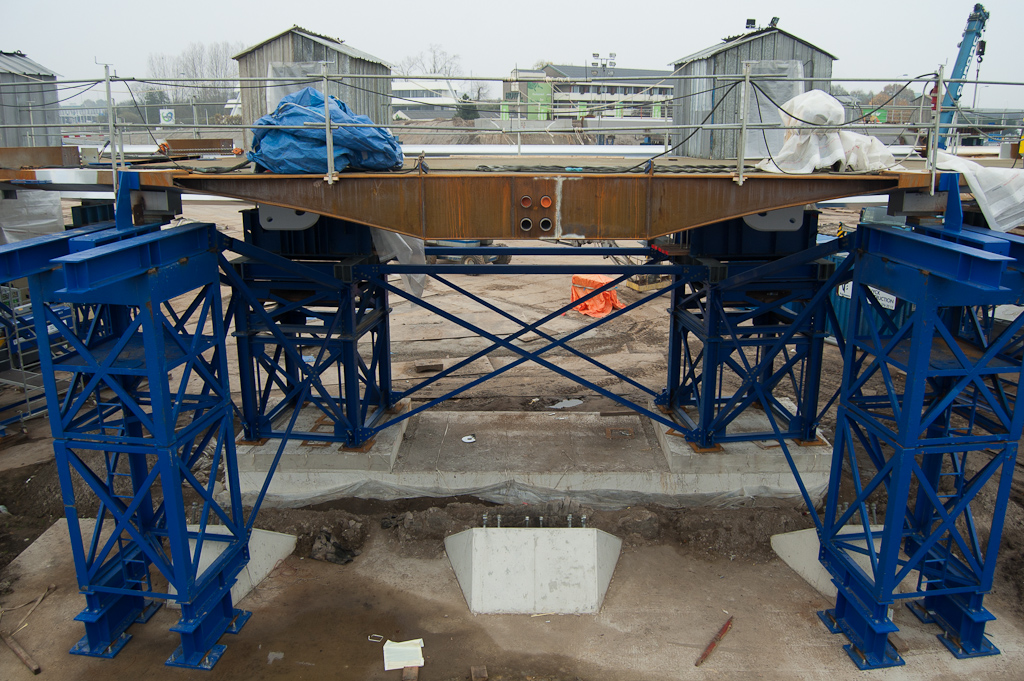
476 90
434 62
198 62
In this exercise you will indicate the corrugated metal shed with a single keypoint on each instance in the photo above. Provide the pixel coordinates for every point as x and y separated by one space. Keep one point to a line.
696 97
366 96
28 97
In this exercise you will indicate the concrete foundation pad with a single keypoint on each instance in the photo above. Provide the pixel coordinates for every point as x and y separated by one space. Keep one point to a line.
306 455
524 570
757 464
799 550
266 550
603 461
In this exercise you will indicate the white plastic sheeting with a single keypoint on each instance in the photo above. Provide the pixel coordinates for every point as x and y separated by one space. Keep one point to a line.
760 108
998 191
821 143
299 71
513 491
31 214
407 250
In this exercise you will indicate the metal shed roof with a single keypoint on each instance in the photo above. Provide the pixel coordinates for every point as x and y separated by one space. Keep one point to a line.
332 43
20 65
730 43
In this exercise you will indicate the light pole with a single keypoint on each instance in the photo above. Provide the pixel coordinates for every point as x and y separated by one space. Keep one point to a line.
195 119
599 67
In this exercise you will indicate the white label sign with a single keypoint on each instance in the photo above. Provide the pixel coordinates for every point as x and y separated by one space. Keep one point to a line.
167 116
886 300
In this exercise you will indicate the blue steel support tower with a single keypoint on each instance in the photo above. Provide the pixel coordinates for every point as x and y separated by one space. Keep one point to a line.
760 318
300 315
927 419
148 398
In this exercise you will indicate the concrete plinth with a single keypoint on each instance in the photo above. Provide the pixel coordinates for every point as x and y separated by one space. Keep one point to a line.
305 455
266 550
606 462
533 570
753 465
799 550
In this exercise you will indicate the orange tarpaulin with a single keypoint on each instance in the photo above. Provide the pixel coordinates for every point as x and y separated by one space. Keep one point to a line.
599 305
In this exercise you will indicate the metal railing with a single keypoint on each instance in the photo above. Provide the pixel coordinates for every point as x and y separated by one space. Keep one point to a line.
564 118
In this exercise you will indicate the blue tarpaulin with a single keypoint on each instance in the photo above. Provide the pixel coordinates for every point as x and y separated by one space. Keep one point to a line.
305 151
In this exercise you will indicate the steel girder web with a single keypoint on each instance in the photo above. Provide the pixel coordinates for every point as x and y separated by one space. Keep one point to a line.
147 402
927 420
681 273
308 338
761 329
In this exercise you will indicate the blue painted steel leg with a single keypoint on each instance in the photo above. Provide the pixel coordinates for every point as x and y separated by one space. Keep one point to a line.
208 616
962 618
763 325
955 404
865 623
147 399
107 615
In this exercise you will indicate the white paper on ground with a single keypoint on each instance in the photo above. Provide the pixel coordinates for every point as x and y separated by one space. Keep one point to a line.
403 654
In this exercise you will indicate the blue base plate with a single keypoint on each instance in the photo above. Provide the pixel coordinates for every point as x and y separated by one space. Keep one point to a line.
177 658
82 647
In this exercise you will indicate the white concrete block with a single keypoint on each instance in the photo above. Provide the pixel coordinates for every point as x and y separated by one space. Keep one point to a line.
519 570
799 550
266 550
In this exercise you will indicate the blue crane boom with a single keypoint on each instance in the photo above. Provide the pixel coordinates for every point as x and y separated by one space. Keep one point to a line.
975 27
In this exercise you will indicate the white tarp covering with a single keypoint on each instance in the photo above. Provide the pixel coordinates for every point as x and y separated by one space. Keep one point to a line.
32 213
821 143
998 191
292 494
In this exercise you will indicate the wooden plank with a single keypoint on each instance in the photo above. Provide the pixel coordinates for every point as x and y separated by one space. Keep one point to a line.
20 652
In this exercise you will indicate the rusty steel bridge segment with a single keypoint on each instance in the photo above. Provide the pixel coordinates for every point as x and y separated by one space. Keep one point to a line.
149 394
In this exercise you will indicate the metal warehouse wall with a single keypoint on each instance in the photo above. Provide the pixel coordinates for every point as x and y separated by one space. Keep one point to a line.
15 110
721 144
370 96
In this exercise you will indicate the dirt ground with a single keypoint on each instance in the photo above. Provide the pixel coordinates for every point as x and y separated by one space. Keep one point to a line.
367 534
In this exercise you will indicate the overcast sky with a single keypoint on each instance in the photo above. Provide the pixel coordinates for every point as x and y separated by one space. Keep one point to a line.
871 38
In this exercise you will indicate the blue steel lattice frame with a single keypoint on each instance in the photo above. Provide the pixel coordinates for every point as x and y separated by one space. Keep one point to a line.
944 427
680 273
148 397
764 325
280 307
268 288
